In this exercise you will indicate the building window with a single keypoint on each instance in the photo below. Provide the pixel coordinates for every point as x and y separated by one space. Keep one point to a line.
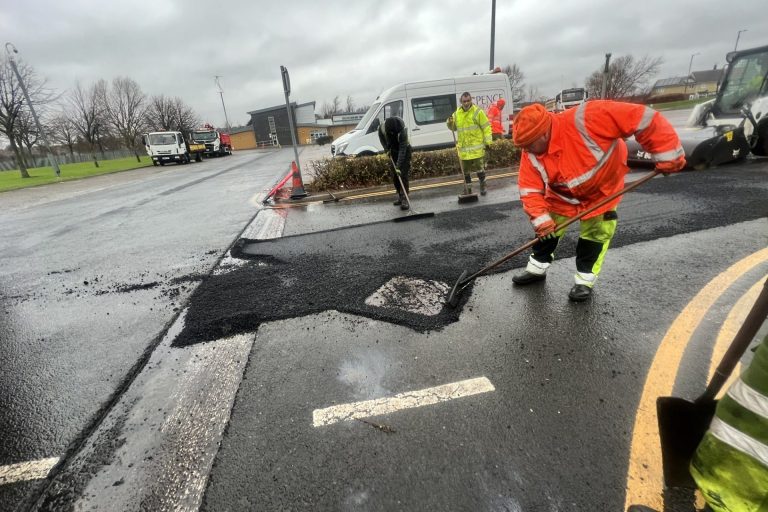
271 121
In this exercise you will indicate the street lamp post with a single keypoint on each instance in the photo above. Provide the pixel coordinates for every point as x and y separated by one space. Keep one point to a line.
688 77
51 158
493 31
221 93
738 35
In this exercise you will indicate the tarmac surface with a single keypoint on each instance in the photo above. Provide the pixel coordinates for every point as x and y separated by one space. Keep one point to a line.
315 367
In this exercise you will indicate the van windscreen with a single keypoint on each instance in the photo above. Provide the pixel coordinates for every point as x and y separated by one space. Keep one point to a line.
367 116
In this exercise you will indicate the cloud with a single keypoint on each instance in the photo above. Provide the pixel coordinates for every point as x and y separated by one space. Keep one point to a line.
357 48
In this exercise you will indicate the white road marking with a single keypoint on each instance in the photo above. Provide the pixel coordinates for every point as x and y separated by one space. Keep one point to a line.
411 294
407 400
23 471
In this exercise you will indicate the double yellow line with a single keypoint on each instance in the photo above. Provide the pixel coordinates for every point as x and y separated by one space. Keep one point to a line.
645 472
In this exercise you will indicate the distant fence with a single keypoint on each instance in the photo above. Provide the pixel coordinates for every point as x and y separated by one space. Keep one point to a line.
8 163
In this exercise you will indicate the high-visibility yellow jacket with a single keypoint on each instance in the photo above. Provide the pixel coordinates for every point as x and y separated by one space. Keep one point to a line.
731 463
474 132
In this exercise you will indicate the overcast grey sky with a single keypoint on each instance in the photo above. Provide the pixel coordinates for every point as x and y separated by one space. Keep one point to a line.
358 48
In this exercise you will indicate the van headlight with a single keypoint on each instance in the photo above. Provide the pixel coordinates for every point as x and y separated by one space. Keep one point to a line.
340 148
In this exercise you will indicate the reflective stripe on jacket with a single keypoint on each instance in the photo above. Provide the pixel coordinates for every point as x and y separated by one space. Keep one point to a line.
473 132
731 463
586 158
494 117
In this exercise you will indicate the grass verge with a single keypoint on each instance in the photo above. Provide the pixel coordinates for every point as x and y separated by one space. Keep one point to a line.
12 180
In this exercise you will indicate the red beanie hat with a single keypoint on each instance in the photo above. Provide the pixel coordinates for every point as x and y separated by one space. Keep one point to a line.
531 123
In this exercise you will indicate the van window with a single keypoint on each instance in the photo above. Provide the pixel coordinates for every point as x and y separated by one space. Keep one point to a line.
391 109
433 109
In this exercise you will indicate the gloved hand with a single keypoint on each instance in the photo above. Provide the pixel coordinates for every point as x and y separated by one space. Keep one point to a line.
546 229
450 123
397 171
671 165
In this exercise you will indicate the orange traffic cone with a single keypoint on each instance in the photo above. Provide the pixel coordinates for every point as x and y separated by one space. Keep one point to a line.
298 185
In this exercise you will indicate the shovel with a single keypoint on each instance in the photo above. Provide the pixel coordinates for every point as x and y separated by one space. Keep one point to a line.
682 424
463 281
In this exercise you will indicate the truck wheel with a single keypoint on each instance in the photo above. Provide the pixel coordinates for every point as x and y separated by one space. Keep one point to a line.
162 163
154 162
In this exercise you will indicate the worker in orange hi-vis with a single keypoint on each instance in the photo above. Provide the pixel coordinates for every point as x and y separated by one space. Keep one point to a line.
494 117
571 161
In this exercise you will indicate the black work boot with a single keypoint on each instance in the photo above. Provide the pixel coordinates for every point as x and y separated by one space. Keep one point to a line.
404 204
399 200
526 277
580 293
481 178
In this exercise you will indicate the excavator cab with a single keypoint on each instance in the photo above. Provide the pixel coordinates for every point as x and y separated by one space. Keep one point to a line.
734 123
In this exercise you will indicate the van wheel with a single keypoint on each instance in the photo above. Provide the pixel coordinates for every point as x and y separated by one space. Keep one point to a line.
366 153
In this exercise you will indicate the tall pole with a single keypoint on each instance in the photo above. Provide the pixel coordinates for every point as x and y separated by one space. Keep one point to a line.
687 78
221 93
287 91
493 30
605 75
51 158
738 35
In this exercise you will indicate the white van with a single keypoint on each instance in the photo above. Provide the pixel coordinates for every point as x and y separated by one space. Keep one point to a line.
424 106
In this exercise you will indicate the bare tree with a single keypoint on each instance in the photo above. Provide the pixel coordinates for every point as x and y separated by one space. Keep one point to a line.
330 108
516 81
125 106
533 93
184 116
88 114
27 133
13 109
350 104
626 76
63 131
171 114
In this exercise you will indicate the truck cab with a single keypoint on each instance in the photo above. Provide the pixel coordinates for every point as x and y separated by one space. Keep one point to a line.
216 142
166 147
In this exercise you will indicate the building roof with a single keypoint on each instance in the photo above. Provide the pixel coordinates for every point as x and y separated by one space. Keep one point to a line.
710 75
668 82
278 107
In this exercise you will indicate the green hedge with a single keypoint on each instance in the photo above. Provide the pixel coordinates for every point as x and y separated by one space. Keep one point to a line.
370 171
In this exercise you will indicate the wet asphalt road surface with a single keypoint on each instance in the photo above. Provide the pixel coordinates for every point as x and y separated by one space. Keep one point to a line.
92 273
553 433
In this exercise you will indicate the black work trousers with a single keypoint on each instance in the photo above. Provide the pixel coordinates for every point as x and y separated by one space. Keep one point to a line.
405 171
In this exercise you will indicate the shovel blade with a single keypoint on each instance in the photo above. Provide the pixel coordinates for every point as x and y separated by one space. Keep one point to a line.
682 425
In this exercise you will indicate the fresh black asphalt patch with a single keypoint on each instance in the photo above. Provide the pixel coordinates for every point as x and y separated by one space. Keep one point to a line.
338 269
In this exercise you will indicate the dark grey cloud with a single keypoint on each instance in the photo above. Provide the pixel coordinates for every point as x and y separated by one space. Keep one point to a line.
358 48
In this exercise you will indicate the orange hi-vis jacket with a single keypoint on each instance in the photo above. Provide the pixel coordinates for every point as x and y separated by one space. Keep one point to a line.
586 158
494 116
